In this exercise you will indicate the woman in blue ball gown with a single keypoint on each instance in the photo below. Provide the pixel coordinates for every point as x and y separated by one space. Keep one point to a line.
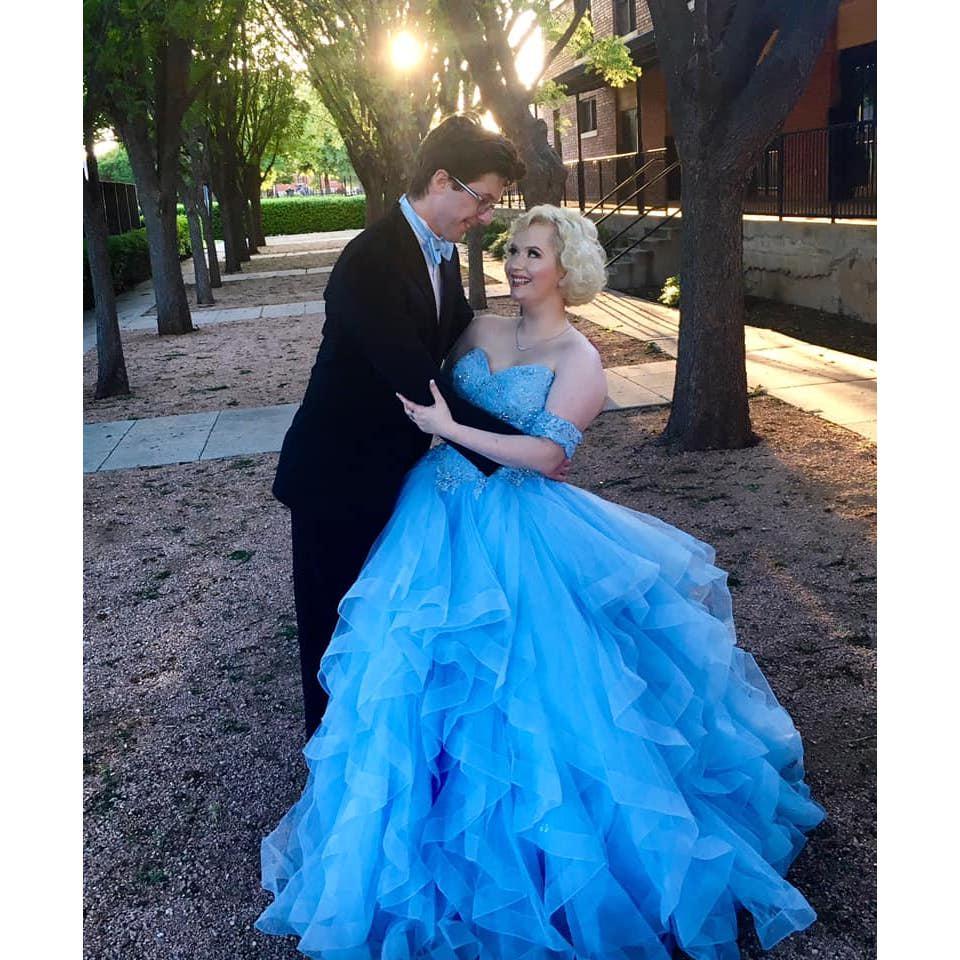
542 742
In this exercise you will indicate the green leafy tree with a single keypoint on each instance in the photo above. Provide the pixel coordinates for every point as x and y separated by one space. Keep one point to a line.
146 61
382 113
315 147
115 165
481 30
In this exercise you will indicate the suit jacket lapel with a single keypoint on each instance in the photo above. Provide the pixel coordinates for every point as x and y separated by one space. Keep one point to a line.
414 265
450 283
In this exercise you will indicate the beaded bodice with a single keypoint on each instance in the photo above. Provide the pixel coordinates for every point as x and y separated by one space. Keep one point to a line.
515 394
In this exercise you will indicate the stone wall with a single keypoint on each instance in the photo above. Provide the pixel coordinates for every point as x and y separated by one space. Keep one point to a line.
828 266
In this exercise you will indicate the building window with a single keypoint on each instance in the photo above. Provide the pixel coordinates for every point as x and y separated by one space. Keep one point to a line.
588 116
624 16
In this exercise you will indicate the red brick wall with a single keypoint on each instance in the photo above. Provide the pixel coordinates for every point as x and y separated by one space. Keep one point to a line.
644 20
856 23
811 111
564 59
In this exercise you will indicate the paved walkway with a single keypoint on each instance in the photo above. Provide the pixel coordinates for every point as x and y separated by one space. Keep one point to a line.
836 386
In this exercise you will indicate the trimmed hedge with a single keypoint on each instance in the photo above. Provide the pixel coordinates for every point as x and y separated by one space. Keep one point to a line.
285 215
130 259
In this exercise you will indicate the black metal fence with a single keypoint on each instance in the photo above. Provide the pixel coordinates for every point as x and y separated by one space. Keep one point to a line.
825 173
829 172
120 206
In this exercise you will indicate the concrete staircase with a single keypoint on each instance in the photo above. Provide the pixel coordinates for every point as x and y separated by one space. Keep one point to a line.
650 263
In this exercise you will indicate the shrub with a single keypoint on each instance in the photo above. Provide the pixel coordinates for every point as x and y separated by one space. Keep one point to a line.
670 294
494 229
130 259
285 215
497 247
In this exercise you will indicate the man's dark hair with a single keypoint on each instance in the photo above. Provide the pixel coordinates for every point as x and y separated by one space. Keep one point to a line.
460 145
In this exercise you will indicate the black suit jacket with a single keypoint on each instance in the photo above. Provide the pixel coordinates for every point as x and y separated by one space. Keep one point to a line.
350 441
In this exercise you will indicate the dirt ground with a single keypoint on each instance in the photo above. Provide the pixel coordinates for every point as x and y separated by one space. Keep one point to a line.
192 691
256 363
251 363
260 290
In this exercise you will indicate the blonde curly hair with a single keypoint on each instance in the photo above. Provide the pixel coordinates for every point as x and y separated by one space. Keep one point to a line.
578 250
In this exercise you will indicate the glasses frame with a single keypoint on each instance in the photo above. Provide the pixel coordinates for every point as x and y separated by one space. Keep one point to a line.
483 204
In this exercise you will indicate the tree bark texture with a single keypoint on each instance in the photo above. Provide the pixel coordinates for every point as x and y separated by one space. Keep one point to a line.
213 263
111 369
173 310
158 198
478 290
710 409
252 182
733 70
200 270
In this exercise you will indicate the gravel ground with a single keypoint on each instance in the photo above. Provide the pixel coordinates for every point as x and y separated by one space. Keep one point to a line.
192 700
256 363
258 291
253 363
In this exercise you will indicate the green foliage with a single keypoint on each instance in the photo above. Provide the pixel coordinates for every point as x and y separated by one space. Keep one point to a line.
286 215
670 295
115 166
550 95
610 59
494 229
130 259
498 245
313 144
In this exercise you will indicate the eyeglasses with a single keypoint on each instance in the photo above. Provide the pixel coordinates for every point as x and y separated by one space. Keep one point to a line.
484 204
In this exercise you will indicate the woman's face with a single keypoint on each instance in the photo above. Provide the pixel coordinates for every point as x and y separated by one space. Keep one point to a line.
532 265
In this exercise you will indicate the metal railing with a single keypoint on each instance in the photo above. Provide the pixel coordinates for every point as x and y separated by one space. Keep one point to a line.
120 206
826 172
830 172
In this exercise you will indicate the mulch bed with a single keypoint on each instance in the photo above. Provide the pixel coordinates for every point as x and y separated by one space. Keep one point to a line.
192 691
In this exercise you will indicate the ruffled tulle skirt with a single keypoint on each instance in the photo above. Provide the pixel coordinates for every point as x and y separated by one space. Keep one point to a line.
541 742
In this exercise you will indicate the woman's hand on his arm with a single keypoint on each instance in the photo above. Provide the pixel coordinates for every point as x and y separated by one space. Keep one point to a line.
435 419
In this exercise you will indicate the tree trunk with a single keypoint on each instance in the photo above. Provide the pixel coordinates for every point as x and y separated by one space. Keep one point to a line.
546 174
249 234
173 311
710 408
252 182
111 369
200 271
206 218
158 199
231 252
478 291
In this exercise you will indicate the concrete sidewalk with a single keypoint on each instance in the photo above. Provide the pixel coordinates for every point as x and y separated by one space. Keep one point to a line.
836 386
133 305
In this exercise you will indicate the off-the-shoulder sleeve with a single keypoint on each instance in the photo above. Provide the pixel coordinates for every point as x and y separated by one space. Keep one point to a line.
560 431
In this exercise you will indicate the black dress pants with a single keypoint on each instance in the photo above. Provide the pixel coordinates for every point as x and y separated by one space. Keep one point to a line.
329 547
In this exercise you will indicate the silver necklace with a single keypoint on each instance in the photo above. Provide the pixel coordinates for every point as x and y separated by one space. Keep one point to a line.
516 334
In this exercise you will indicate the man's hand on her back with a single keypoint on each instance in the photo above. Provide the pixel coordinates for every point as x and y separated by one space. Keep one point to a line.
560 474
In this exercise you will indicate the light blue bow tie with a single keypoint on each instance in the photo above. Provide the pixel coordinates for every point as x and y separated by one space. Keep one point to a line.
437 248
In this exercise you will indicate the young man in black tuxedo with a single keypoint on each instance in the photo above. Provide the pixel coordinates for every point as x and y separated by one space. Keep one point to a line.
394 308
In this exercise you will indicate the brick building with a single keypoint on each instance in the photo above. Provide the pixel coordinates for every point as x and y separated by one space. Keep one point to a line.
824 164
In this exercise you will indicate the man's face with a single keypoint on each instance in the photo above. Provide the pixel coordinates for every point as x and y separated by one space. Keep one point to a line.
456 211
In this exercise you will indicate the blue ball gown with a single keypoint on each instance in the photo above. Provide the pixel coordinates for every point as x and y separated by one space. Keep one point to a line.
542 742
